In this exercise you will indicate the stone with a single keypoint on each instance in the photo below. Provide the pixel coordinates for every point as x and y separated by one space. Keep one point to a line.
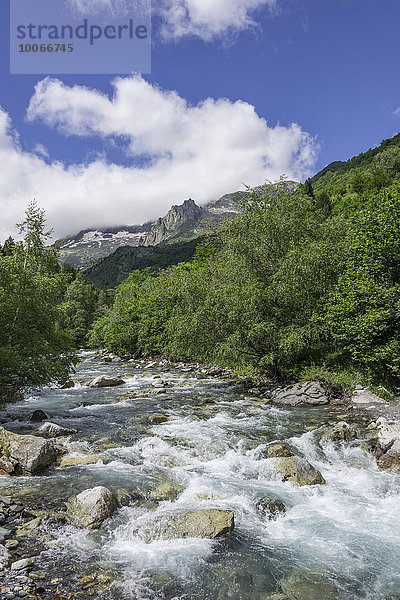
167 490
4 533
5 557
25 454
341 432
105 381
270 508
363 398
68 385
301 585
91 507
279 450
52 430
298 470
388 444
157 419
38 416
210 524
310 393
24 563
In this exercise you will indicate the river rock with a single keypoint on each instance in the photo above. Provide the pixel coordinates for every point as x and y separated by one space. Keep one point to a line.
68 384
105 381
298 470
388 444
25 454
38 416
310 393
210 524
91 507
363 398
167 490
279 450
5 557
52 430
24 563
157 419
270 508
341 432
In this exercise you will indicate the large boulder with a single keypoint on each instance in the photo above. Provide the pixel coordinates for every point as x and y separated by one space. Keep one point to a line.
363 398
105 381
52 430
91 507
210 524
279 450
298 470
388 444
310 393
25 454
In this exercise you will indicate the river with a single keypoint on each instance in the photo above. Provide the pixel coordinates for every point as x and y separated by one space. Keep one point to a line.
213 450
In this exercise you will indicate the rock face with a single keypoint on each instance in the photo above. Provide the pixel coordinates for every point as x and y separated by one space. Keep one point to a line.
38 416
310 393
341 432
52 430
185 215
298 470
25 454
104 381
91 507
210 524
388 445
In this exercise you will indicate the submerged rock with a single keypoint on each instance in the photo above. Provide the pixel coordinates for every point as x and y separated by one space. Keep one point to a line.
68 384
25 454
388 445
87 459
210 524
91 507
270 508
301 585
52 430
298 470
341 432
310 393
105 381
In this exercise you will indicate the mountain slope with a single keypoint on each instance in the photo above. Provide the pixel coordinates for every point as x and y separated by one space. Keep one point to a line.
113 269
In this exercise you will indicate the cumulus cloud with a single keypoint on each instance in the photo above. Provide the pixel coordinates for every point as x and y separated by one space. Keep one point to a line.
177 151
208 19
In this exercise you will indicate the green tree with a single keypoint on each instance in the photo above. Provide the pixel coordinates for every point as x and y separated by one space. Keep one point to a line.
33 346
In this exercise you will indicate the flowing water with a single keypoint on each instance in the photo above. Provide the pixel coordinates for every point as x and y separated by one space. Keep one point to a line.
213 447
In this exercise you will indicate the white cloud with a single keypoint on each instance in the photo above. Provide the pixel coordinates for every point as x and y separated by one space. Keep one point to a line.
201 151
208 19
397 112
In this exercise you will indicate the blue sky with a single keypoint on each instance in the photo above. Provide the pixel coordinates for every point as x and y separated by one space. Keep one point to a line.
329 66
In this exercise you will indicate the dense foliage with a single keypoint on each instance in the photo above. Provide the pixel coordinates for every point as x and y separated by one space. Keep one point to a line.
296 281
